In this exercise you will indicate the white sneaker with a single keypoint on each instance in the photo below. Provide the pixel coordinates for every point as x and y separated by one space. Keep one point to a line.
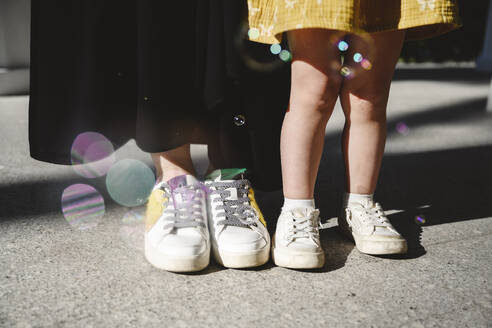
368 226
176 234
296 242
237 227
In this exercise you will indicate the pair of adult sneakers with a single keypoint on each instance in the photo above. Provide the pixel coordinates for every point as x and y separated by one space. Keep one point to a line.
188 220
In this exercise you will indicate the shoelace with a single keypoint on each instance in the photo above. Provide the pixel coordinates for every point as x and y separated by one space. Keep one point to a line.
186 213
236 212
305 227
371 213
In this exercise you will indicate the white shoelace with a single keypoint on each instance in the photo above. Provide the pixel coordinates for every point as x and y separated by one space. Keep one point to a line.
304 227
186 212
371 213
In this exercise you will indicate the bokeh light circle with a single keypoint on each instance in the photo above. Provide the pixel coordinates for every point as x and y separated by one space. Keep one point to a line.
82 206
402 128
357 52
343 45
420 219
358 57
346 72
285 55
257 56
132 228
366 64
253 33
92 154
129 182
275 49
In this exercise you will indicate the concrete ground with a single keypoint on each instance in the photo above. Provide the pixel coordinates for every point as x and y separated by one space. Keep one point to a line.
438 165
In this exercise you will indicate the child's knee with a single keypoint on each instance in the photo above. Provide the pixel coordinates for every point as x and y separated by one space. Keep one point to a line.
317 95
368 103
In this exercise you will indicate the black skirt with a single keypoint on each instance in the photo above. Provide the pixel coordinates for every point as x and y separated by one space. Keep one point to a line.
157 72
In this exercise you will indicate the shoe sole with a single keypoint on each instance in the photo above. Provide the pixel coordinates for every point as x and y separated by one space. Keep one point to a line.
374 245
237 260
176 263
297 260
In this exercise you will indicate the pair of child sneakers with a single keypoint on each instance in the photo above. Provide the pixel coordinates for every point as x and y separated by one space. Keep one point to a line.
296 243
187 220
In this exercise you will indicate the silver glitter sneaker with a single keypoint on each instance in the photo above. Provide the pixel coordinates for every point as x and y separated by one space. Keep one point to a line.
238 230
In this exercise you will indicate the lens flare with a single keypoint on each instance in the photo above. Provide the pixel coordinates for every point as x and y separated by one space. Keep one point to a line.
82 206
358 57
92 154
285 55
132 228
253 33
366 64
346 72
256 56
275 49
356 51
129 182
343 45
420 219
402 128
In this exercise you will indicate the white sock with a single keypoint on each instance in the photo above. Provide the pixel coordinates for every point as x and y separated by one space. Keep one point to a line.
356 198
290 204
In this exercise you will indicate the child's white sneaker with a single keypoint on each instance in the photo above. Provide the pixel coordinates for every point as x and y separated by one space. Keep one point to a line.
296 243
366 223
238 230
176 234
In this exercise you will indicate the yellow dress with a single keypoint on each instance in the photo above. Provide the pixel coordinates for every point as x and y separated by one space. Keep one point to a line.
268 19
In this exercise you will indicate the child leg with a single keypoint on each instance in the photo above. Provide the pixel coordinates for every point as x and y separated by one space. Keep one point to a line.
315 88
364 100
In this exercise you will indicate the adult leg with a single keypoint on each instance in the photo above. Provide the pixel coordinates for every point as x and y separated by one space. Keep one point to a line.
172 163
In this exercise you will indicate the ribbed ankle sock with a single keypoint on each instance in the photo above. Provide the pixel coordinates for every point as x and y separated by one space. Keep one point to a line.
290 204
356 198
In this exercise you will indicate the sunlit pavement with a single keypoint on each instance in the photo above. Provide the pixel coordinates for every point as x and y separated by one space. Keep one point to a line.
436 184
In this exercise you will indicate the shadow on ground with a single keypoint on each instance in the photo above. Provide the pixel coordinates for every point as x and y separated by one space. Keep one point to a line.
443 186
463 75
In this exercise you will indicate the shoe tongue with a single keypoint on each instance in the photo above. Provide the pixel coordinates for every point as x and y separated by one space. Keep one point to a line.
232 193
299 213
181 181
366 203
226 174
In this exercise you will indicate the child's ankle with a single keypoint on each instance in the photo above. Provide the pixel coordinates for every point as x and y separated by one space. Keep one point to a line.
351 198
290 204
